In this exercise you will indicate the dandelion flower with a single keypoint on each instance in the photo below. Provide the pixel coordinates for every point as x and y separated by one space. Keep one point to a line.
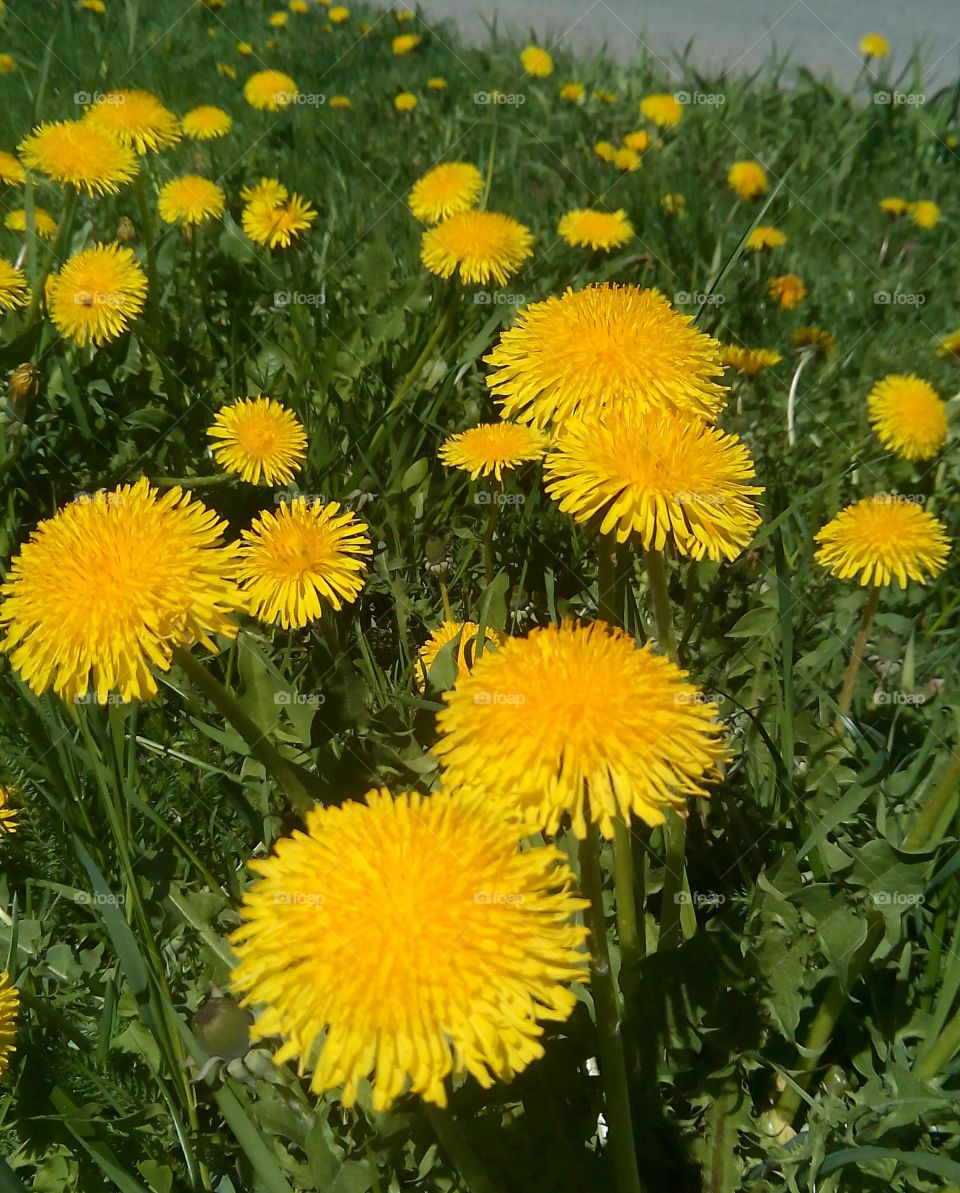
874 45
662 110
574 92
278 225
950 345
43 222
206 123
492 447
536 62
465 634
259 440
814 339
480 245
600 230
191 200
278 20
748 179
908 416
627 160
665 478
339 102
80 154
110 585
269 90
602 346
12 172
409 938
97 294
137 118
748 361
597 729
338 14
605 150
8 64
245 49
267 190
9 1004
881 538
436 83
446 190
14 291
405 42
8 813
638 141
765 237
303 555
924 213
894 206
406 101
93 6
787 291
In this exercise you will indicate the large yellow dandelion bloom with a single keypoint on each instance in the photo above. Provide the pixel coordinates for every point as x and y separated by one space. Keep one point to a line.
597 729
259 440
8 813
536 62
599 230
764 237
492 448
662 110
894 206
602 346
662 477
43 222
9 1004
403 43
81 154
881 538
305 554
97 294
277 225
206 123
14 291
446 190
924 213
874 45
748 362
12 172
110 585
466 634
269 90
748 179
411 939
191 200
908 416
136 118
480 245
787 291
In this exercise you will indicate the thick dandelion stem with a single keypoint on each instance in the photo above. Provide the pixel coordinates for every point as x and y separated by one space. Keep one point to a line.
660 595
845 702
460 1151
675 845
933 808
944 1049
792 398
146 228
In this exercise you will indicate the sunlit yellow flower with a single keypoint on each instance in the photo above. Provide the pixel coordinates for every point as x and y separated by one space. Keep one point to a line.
787 291
662 110
748 179
14 291
950 345
278 20
748 361
299 558
465 634
638 141
191 200
404 14
874 45
207 122
244 48
110 585
277 225
574 92
81 154
436 84
406 101
814 339
604 230
674 204
536 62
445 190
924 213
405 42
338 14
267 190
627 159
883 538
492 447
764 237
299 6
43 222
93 6
97 294
339 102
136 118
259 440
894 207
269 90
908 416
480 245
9 1004
12 172
605 150
8 814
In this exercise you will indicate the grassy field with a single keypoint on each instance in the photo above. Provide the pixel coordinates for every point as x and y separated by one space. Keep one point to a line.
790 1016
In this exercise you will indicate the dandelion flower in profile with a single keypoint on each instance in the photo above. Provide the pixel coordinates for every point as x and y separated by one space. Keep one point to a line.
764 237
136 118
874 45
463 947
536 62
12 172
436 83
492 447
269 90
748 361
949 345
43 222
638 141
245 49
748 179
662 110
8 813
894 207
924 213
603 346
605 150
108 587
446 190
814 339
267 190
14 291
465 634
674 204
406 101
277 225
573 92
81 154
661 477
206 123
883 538
340 103
908 416
404 43
479 245
97 294
788 291
191 200
304 555
9 1004
598 729
259 440
598 230
627 160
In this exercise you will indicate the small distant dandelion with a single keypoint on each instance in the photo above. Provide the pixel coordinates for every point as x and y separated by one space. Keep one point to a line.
949 345
788 291
674 204
874 45
574 92
85 156
206 123
277 225
880 539
136 118
8 64
749 361
339 102
492 447
97 294
627 160
480 245
764 237
244 48
436 83
338 14
97 6
12 172
269 90
14 291
9 1004
465 634
405 43
894 207
536 62
8 811
445 190
259 440
815 340
598 230
908 416
605 150
44 224
925 213
748 179
267 190
406 101
278 20
638 141
663 110
191 200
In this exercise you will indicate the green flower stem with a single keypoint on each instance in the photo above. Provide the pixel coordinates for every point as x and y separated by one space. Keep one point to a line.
933 808
459 1150
613 1065
675 844
660 595
489 561
56 247
942 1052
283 771
194 482
146 229
856 658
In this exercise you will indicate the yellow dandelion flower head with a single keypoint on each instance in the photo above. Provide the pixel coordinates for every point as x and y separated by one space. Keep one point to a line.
598 729
605 150
663 110
466 634
445 190
436 83
43 222
599 230
748 361
267 190
206 123
97 294
277 225
627 159
924 213
602 346
8 64
480 245
604 97
339 102
574 92
674 204
244 48
908 416
137 118
403 43
278 20
259 440
748 179
894 207
110 585
12 172
299 6
536 62
406 101
765 237
949 345
82 154
304 555
93 6
269 90
788 291
874 45
883 538
191 200
9 1004
492 447
8 811
479 935
814 339
661 477
639 141
14 291
338 14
